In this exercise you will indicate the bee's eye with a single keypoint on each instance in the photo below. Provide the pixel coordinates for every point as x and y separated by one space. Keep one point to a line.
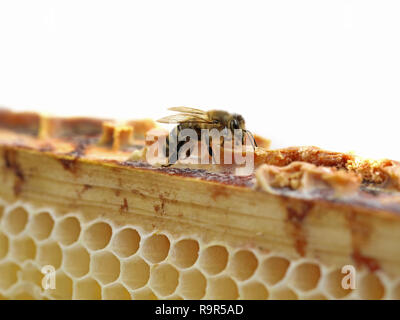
234 124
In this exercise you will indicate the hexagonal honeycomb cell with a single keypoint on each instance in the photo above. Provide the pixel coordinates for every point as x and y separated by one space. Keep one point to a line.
99 260
97 236
156 248
63 288
135 273
283 293
67 230
1 211
185 253
305 276
3 245
253 291
273 269
164 279
49 253
15 220
41 225
222 288
371 287
126 242
76 261
87 289
243 264
214 259
395 292
30 273
105 267
8 275
23 249
192 284
116 292
333 285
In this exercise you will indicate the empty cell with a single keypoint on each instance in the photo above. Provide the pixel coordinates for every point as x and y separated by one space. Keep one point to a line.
76 261
144 294
116 292
3 245
67 231
273 269
333 284
15 221
155 248
24 296
316 296
87 289
243 264
126 242
214 259
30 273
97 236
49 254
283 293
8 274
396 292
135 273
222 288
105 267
41 225
305 276
63 290
370 287
174 297
24 292
184 253
253 291
192 284
164 279
23 249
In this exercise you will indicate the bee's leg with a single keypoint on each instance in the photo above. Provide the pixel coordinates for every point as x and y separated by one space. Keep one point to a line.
178 148
210 150
166 147
253 141
189 150
172 154
167 154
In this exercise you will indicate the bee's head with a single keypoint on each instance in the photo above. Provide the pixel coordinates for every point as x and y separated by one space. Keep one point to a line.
237 122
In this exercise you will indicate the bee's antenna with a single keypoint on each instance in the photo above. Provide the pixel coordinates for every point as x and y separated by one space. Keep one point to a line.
253 141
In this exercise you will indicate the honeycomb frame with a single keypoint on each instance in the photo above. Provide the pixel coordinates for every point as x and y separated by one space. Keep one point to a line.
78 196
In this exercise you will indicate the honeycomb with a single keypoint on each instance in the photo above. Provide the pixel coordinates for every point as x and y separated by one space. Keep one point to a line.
98 259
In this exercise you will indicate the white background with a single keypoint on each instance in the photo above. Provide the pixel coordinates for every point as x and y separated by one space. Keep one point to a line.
323 73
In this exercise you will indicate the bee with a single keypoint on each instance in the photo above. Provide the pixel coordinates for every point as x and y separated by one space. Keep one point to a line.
190 118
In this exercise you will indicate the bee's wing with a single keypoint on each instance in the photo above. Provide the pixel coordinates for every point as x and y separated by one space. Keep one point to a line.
189 111
181 118
186 115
